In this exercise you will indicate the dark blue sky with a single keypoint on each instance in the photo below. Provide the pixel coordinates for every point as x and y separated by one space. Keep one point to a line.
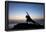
18 9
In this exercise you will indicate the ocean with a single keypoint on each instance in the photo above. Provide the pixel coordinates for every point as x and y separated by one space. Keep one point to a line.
12 23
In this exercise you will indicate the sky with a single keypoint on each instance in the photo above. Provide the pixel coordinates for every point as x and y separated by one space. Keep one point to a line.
17 11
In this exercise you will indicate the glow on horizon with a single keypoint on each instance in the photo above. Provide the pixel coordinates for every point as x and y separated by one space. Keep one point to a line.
23 17
17 18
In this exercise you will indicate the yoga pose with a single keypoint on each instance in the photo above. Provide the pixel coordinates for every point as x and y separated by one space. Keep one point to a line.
28 19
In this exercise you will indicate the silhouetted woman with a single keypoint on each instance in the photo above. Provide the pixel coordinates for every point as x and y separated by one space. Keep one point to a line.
29 18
